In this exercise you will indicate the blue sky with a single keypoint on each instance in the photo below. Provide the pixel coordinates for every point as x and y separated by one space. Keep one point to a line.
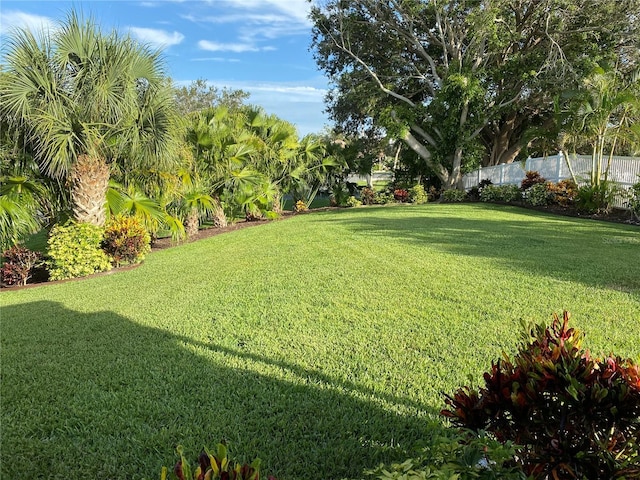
260 46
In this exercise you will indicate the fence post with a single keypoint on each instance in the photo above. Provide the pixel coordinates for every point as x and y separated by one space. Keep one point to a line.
558 166
479 174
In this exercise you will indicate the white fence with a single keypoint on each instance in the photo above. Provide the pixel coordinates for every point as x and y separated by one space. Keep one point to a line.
624 171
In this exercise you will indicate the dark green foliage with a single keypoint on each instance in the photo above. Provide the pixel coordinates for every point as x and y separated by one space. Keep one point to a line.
213 466
74 251
452 454
339 195
383 198
538 195
500 193
531 178
574 415
418 195
367 196
634 200
475 192
453 195
126 241
18 264
595 198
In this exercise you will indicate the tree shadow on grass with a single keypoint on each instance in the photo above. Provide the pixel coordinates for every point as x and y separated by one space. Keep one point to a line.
552 246
94 395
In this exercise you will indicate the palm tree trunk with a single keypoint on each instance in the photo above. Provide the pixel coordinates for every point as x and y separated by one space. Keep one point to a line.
89 184
192 223
219 218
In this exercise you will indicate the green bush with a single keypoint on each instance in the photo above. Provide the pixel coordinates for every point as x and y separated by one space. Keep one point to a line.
460 455
384 198
595 198
74 251
575 416
353 202
339 195
213 466
634 200
538 195
418 195
500 193
126 241
17 265
453 195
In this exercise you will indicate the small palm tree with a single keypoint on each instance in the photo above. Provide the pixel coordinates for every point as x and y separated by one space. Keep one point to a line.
86 100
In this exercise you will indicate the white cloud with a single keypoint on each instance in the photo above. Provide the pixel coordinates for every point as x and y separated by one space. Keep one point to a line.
259 19
215 59
155 37
294 9
14 19
302 105
227 47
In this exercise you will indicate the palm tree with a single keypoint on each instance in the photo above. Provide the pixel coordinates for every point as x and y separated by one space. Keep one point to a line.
86 100
604 114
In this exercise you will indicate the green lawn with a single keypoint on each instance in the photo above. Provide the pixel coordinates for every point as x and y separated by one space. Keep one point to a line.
321 343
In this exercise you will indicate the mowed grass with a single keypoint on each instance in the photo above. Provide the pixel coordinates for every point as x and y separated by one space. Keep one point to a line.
322 343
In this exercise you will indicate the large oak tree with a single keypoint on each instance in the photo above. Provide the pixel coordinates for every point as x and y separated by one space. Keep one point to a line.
463 80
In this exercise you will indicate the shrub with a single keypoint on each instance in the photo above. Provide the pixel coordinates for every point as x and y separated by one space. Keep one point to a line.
211 466
574 416
475 192
367 195
300 206
353 202
18 264
433 194
500 193
453 195
339 196
538 195
634 200
418 195
383 198
456 455
126 241
401 195
595 198
563 193
74 251
530 179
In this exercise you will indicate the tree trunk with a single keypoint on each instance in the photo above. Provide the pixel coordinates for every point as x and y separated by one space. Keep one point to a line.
89 184
422 151
503 148
191 223
219 218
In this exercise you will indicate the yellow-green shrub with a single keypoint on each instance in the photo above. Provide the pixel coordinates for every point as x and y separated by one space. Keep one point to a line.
74 251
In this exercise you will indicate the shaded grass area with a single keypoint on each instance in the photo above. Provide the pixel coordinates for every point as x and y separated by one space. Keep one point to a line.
321 200
321 344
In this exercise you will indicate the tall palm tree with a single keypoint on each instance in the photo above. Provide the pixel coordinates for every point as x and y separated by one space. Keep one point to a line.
85 100
604 114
